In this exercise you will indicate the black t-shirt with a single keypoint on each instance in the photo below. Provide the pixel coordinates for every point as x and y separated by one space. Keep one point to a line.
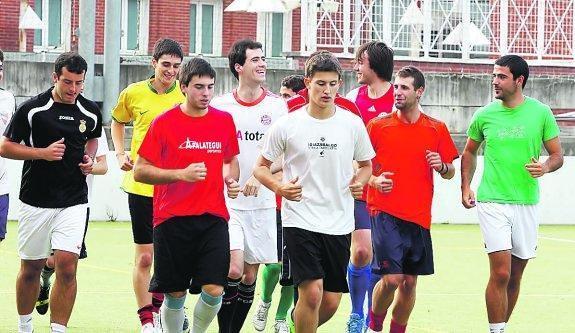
39 122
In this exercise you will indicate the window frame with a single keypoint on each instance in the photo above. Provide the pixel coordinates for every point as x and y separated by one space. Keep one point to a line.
143 29
65 28
216 25
265 32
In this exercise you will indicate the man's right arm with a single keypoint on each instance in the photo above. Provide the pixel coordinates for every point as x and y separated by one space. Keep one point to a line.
468 164
17 151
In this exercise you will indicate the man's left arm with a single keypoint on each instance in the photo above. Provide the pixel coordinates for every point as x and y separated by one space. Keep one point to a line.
553 162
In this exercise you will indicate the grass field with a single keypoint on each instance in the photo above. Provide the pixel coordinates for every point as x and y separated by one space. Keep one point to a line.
449 301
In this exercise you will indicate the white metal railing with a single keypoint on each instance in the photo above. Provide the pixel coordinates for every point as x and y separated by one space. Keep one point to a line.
540 30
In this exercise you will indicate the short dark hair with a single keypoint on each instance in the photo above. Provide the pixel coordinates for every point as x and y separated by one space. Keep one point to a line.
167 46
380 58
72 61
322 61
293 82
416 74
237 54
517 66
1 56
195 67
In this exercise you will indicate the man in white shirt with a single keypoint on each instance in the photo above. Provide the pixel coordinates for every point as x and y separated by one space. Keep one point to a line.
319 143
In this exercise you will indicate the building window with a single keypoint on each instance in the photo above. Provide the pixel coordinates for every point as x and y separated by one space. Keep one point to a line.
205 27
275 30
56 32
135 19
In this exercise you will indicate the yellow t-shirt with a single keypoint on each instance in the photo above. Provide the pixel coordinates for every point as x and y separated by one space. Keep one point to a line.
141 104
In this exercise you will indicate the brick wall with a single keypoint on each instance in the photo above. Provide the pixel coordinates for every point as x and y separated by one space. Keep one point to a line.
9 20
237 25
169 19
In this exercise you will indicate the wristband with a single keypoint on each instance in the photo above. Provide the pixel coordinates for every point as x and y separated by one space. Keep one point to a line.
442 172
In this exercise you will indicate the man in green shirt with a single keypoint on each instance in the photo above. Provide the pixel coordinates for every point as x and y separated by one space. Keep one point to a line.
513 128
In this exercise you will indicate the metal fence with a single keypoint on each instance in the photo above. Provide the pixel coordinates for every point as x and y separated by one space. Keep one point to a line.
461 29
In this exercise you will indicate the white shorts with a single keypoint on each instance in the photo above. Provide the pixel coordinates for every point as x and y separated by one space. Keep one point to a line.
42 230
255 233
509 227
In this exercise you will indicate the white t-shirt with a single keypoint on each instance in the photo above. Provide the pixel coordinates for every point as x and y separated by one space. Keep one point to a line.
252 121
102 150
320 152
7 108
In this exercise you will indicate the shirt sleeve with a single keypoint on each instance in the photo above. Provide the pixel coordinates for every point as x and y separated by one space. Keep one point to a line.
122 112
475 131
363 149
151 148
446 148
550 127
274 141
232 147
18 128
102 145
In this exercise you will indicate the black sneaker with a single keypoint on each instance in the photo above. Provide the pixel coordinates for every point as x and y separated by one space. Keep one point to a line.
43 300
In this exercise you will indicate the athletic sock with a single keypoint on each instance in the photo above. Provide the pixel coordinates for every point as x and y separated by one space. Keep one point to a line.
228 305
358 281
205 311
172 313
397 328
286 300
375 321
244 303
46 275
145 314
57 328
157 300
497 327
270 277
25 324
373 279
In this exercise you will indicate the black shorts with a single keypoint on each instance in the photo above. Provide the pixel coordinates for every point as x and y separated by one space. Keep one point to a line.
141 212
361 215
401 247
190 252
83 252
318 256
283 257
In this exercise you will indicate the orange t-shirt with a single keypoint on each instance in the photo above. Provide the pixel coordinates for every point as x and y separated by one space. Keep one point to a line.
401 148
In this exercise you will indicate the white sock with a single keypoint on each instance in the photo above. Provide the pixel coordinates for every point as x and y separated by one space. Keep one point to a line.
57 328
204 314
25 324
172 319
497 328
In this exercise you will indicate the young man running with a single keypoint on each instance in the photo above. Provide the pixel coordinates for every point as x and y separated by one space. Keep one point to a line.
513 127
374 68
55 133
319 143
183 155
410 147
7 108
252 227
273 273
141 103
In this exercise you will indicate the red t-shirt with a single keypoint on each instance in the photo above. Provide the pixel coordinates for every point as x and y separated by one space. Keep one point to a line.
301 99
401 148
174 141
370 108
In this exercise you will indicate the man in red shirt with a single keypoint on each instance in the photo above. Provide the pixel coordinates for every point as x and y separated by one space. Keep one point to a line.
373 65
183 155
409 147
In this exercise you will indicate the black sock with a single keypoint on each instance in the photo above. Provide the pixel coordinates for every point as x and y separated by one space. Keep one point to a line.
244 303
228 305
45 276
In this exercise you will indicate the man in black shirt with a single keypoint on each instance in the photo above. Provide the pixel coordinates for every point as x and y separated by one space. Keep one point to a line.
55 133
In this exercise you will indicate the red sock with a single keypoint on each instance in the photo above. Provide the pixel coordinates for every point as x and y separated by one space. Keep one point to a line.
397 328
157 300
375 321
145 314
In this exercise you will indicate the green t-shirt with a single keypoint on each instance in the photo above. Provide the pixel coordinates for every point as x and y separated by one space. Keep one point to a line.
512 137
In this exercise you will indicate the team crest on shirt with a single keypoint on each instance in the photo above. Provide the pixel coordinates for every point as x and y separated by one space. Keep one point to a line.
82 126
266 119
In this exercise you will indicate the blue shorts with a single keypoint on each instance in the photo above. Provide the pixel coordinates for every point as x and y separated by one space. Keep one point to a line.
361 215
401 247
3 215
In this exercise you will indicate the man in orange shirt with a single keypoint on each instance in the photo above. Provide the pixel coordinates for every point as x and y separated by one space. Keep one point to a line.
409 147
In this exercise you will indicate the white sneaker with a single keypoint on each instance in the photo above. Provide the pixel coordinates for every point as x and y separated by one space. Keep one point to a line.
281 326
148 328
261 316
157 322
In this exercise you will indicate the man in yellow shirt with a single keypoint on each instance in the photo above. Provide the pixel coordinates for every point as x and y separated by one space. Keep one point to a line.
141 103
